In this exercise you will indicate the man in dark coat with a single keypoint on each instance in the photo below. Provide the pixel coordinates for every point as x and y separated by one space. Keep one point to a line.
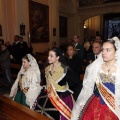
5 64
19 49
23 47
79 48
15 52
96 47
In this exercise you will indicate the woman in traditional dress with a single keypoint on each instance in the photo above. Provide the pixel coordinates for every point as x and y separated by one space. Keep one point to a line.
100 95
55 99
27 85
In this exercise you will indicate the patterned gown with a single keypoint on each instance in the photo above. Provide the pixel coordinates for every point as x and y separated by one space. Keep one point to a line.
96 108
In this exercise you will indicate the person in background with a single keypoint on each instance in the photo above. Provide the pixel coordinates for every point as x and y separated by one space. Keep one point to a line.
27 85
87 46
87 49
97 48
54 44
73 60
23 47
100 95
79 48
75 64
56 100
98 38
63 46
30 48
9 47
5 64
15 54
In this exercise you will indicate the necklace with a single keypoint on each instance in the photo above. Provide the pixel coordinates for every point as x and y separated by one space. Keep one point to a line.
109 68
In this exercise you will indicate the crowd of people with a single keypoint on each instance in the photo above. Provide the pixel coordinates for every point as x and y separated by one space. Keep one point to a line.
12 53
62 94
19 48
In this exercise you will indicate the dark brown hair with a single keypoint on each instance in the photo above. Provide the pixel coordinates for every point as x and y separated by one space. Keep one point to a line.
71 45
58 52
112 42
26 57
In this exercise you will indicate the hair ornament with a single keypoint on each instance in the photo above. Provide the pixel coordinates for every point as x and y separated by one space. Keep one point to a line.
117 42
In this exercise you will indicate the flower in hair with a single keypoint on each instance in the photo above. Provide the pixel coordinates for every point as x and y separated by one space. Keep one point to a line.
117 42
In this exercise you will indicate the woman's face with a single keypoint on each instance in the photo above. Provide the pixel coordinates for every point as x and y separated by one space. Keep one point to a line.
25 63
70 51
52 58
108 52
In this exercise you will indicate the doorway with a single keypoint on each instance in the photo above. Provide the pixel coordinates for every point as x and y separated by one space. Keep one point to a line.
111 25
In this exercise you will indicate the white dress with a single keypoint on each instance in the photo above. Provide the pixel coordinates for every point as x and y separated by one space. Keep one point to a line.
30 79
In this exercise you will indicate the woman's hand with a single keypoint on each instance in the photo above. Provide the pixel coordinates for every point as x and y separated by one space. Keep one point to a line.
25 90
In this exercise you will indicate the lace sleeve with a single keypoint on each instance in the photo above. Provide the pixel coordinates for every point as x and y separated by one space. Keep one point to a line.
33 90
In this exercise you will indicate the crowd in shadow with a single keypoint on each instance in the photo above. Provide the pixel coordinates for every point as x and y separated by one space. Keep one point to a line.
57 82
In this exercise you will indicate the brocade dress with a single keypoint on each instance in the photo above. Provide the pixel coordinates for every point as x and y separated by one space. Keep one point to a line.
96 108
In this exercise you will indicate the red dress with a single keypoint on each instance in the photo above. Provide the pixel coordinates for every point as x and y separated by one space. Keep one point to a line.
97 111
96 108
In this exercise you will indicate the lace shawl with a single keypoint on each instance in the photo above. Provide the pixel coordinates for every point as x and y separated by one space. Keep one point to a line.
31 78
91 77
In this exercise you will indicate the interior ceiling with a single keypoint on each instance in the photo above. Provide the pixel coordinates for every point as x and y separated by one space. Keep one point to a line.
67 6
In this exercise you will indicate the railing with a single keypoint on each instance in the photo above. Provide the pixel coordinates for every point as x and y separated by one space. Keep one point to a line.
10 110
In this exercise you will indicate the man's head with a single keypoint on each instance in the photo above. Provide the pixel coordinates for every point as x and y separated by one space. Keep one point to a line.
97 47
76 39
98 38
21 39
16 38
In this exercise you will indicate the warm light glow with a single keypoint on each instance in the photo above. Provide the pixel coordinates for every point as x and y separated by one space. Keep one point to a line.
85 26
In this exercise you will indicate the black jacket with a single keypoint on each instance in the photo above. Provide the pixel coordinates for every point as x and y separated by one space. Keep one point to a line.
75 63
80 51
90 58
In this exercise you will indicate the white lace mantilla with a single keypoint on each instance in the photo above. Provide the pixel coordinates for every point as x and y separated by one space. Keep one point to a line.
91 77
31 79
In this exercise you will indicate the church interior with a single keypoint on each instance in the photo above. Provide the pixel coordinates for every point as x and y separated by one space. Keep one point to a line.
41 23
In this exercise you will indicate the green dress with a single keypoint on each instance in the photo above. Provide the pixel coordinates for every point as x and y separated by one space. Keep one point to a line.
20 96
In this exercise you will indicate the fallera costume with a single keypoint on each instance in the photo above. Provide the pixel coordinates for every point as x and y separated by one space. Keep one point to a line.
100 95
29 79
55 99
